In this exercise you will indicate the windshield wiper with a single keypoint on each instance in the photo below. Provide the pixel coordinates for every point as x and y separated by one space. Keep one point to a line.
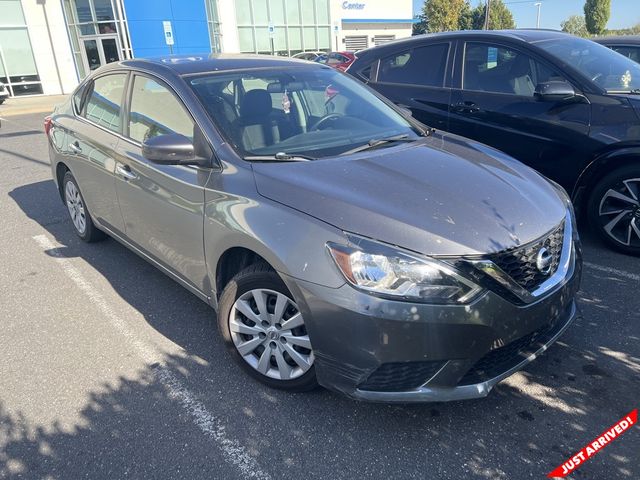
278 157
376 142
633 91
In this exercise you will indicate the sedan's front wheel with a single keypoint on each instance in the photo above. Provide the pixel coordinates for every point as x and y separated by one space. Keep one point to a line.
614 209
265 330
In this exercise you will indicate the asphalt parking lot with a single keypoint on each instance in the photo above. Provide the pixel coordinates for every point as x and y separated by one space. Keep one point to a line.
109 369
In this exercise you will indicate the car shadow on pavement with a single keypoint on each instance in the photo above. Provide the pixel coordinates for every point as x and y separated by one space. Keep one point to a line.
527 426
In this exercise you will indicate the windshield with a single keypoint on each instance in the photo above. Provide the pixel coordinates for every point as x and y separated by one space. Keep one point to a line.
606 68
312 112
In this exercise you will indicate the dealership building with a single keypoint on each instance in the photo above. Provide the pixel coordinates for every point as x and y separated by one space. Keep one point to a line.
48 46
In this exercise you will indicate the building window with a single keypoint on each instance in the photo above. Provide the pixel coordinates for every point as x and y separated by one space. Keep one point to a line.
98 33
213 21
299 26
17 65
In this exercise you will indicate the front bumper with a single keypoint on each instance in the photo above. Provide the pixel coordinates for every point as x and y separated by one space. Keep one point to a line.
375 349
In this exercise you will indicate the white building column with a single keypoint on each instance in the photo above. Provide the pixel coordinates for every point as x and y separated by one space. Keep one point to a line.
50 43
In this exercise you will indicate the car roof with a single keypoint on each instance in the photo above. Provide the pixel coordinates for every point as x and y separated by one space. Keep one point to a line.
618 40
190 64
529 35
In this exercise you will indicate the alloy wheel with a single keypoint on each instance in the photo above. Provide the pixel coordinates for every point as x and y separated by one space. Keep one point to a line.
268 331
75 207
619 212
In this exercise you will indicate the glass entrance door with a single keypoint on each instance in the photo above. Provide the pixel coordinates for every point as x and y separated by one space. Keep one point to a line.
99 50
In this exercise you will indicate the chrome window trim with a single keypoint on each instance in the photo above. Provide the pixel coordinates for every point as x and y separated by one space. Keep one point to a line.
565 267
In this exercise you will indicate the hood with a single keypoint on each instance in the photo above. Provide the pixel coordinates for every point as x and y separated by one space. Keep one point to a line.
443 195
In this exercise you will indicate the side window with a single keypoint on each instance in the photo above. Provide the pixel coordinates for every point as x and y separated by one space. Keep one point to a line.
630 52
418 66
498 69
104 103
156 111
335 59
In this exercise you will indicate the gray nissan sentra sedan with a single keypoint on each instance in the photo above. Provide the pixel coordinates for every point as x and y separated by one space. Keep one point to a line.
340 242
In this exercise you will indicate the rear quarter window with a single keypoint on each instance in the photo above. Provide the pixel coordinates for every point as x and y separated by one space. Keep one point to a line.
104 101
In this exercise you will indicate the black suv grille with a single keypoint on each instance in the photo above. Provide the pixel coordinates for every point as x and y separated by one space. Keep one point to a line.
498 361
400 377
520 262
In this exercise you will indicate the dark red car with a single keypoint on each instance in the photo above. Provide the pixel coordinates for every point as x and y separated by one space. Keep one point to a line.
338 60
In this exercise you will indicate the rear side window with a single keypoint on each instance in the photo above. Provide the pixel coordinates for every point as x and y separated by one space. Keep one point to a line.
104 102
418 66
156 111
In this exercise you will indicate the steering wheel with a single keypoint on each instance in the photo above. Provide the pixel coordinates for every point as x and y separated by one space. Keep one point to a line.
332 117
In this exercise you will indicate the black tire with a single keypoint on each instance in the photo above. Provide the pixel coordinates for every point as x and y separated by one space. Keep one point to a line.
90 233
601 199
258 276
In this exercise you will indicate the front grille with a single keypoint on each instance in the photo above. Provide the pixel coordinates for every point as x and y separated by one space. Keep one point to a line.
520 262
501 359
400 376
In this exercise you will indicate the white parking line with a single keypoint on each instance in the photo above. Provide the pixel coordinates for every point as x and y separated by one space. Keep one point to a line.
613 271
212 427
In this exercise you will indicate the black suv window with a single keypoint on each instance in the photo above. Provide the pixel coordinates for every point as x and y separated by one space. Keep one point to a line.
630 52
156 111
418 66
104 102
494 68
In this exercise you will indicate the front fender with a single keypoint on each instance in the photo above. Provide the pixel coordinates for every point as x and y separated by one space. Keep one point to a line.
601 165
293 243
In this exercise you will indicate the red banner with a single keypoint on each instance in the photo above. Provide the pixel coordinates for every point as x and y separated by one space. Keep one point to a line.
594 447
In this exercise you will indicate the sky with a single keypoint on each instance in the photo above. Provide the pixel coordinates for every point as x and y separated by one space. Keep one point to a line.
624 13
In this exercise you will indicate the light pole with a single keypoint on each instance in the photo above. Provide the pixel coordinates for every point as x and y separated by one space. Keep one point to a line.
539 4
486 15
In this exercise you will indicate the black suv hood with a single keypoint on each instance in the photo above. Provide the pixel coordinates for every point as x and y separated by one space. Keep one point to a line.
443 195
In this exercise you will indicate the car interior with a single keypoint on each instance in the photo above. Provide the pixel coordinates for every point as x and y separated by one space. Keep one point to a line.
501 70
257 113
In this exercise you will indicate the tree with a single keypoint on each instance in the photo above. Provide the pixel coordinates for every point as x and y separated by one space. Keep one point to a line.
500 16
442 15
465 22
575 25
596 15
420 25
635 30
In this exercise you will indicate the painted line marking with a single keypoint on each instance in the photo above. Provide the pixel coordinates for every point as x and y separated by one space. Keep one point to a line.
613 271
234 452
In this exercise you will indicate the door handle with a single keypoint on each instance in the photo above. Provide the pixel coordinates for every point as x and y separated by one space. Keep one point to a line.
125 172
466 107
75 147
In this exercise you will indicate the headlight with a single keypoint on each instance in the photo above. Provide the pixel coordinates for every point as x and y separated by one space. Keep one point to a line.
388 272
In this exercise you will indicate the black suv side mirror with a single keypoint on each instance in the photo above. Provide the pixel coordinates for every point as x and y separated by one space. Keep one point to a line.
171 149
555 91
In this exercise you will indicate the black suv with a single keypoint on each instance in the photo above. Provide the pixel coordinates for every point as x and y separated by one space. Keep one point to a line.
564 105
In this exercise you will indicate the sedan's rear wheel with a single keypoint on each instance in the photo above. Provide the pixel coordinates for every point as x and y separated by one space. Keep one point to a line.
614 209
266 331
78 211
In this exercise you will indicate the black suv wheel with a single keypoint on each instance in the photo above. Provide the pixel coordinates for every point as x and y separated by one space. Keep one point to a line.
614 209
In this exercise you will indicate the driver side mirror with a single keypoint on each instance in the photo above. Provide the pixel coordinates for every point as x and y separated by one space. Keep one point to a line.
172 149
554 91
